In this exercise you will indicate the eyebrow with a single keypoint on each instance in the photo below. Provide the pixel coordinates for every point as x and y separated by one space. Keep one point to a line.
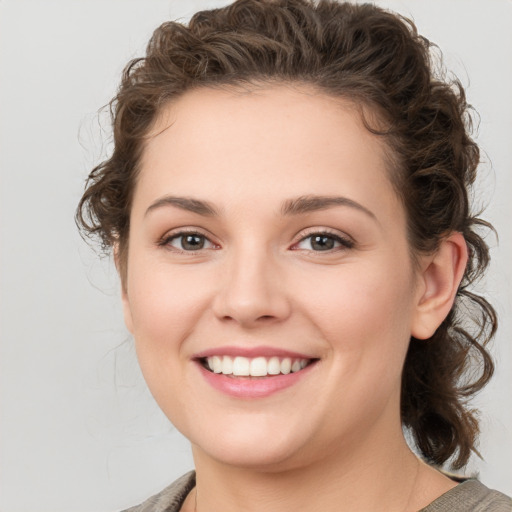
185 203
311 203
296 206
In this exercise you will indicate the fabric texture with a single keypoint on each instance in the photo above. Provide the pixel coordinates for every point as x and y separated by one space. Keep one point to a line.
468 496
171 498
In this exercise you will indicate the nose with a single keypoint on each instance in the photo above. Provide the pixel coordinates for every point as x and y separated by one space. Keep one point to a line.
252 291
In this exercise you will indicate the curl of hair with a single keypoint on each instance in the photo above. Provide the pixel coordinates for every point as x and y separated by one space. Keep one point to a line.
376 59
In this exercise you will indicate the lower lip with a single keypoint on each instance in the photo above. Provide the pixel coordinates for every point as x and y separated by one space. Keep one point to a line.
253 387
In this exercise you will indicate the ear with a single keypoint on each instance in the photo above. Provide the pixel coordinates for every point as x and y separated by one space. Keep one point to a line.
127 312
439 281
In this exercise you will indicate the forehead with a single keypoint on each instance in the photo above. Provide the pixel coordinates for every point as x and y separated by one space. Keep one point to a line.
250 106
280 140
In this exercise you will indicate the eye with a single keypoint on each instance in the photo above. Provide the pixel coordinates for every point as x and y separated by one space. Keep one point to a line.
188 242
323 242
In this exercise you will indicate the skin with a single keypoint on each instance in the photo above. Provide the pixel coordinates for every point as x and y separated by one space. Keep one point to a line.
335 436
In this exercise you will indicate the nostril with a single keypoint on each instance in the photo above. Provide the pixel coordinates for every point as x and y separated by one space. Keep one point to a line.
248 305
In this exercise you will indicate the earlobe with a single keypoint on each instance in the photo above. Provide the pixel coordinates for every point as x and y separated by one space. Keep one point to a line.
440 279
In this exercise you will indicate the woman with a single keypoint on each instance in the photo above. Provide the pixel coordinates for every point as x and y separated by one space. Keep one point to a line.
287 203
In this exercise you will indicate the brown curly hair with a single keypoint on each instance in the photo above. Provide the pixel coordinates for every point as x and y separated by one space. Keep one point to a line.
376 59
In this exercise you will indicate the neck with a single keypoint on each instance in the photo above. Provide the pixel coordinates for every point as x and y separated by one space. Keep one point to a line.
380 474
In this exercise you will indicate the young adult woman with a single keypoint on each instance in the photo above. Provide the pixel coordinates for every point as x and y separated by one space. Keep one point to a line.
287 204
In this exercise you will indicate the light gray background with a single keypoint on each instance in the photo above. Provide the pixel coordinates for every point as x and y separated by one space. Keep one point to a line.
79 431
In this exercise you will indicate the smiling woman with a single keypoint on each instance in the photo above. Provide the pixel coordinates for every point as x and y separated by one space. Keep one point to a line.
282 272
287 203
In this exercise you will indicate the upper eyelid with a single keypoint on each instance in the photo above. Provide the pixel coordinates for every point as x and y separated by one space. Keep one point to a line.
174 233
165 243
307 232
165 240
345 241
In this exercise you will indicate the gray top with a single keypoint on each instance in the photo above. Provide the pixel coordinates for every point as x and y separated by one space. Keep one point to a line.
468 496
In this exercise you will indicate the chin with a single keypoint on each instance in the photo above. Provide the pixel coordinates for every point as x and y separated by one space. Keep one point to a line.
250 446
256 459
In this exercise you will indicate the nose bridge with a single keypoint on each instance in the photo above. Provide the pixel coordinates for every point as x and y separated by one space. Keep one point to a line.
250 292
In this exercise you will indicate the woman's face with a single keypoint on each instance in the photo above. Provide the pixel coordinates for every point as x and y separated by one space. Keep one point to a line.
265 233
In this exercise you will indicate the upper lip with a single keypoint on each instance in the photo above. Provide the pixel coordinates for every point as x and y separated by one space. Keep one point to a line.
251 352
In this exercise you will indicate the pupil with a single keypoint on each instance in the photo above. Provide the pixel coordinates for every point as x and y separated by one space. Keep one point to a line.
322 243
192 242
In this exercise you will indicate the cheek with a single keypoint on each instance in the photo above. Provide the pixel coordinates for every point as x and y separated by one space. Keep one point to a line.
348 295
166 307
365 314
165 304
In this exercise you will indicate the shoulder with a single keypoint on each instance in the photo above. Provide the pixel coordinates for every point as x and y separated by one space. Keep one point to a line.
471 496
468 496
171 498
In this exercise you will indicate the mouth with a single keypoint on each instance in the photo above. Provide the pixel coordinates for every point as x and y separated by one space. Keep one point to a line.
254 372
256 367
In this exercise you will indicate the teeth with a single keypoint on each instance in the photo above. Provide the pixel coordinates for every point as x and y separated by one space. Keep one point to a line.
256 367
274 366
286 365
241 366
296 366
227 365
216 364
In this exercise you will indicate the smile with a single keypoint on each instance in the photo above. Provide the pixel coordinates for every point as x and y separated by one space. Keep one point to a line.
253 373
254 367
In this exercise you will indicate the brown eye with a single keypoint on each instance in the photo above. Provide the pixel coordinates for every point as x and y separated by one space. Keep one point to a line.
188 242
323 242
192 242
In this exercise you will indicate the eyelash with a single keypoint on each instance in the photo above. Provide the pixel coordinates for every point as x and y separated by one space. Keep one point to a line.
167 239
344 242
